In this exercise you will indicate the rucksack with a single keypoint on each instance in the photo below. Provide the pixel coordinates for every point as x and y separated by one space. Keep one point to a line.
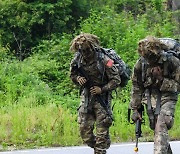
123 68
173 46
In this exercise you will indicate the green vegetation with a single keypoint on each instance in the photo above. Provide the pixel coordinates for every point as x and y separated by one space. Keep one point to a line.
38 101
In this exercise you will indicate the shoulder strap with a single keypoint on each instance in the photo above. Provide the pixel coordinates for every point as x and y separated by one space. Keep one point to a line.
100 63
167 59
144 67
78 58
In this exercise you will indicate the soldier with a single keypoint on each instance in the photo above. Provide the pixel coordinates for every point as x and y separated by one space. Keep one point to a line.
155 79
92 110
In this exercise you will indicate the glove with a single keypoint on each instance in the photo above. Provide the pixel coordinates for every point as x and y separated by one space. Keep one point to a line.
135 116
81 80
95 90
157 73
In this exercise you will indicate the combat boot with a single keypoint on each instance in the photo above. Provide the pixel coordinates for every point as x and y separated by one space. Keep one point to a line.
99 151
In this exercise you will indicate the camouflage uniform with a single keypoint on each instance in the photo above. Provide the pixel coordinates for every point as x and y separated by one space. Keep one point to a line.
166 90
90 111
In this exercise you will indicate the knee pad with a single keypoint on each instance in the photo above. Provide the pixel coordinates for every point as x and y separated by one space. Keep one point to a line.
169 120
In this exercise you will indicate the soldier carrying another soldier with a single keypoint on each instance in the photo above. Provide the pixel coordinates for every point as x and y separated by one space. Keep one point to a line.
96 87
156 80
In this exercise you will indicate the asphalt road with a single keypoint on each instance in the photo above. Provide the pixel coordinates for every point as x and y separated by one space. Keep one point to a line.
124 148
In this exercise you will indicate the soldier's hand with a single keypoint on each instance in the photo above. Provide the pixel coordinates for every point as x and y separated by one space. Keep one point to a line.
81 80
157 73
135 116
95 90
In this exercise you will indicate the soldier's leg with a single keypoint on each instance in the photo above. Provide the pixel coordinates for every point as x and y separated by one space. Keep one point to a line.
86 122
164 123
103 122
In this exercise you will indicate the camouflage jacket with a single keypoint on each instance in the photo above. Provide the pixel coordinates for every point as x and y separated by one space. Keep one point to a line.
108 80
142 79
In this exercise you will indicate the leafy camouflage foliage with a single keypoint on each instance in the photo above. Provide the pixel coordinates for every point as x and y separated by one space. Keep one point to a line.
35 38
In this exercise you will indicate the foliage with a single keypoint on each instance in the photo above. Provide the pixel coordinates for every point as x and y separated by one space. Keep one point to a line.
122 34
38 126
25 22
18 83
52 64
38 99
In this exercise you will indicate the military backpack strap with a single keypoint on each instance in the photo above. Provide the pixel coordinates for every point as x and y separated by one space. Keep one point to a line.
144 68
79 57
158 103
167 63
149 106
165 69
100 63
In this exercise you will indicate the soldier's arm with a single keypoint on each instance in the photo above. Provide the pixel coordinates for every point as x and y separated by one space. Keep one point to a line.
137 86
113 75
172 84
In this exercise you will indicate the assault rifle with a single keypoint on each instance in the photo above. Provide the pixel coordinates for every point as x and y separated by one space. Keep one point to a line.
138 131
89 83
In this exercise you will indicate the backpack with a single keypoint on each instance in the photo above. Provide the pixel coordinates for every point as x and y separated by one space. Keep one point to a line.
173 46
123 68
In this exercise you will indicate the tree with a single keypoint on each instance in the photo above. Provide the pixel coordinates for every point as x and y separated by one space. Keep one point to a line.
24 22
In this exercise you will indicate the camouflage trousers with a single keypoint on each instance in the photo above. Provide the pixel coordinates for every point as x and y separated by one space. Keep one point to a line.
96 118
164 122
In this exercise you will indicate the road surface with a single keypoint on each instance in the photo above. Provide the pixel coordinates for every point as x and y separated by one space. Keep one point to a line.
124 148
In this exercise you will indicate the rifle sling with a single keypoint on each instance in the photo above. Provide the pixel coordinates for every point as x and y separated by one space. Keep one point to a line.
158 103
149 106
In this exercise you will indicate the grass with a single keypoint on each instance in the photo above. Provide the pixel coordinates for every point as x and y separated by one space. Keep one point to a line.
35 109
47 125
23 126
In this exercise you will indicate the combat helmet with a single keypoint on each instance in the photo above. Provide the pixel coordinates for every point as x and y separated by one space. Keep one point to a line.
84 40
150 48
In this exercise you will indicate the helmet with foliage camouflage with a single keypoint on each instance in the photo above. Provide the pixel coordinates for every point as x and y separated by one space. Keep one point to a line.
150 48
84 41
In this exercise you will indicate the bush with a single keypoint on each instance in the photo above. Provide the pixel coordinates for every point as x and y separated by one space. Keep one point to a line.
122 32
